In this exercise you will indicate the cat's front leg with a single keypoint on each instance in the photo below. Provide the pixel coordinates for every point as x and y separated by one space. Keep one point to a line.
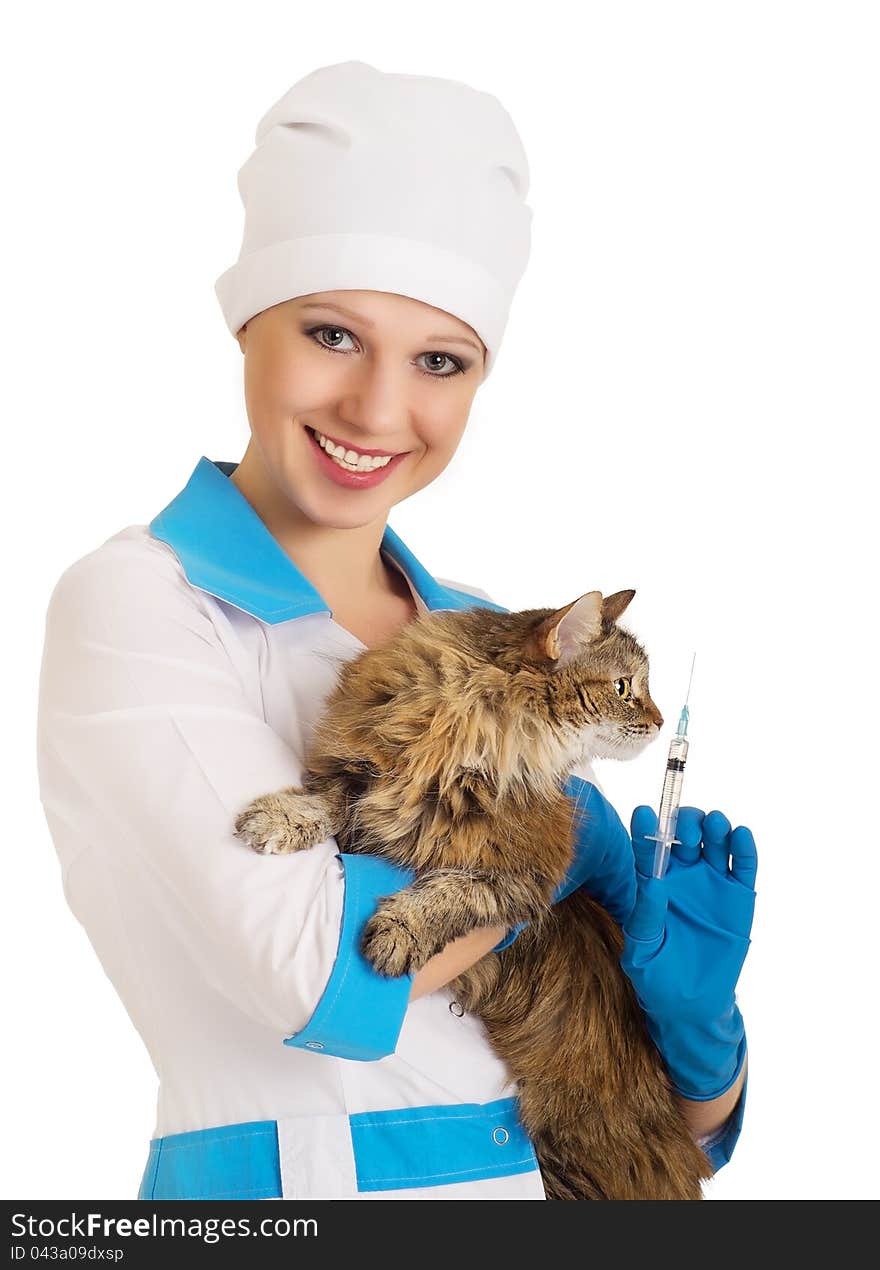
409 927
288 820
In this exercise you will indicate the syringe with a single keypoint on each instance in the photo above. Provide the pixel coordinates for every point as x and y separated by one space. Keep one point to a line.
671 796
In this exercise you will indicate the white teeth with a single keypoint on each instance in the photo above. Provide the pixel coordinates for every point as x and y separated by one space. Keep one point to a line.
350 460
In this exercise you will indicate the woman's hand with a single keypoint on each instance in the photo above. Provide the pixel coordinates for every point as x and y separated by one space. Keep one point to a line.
685 942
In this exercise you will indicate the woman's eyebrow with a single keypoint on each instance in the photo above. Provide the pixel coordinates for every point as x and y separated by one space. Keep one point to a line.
356 317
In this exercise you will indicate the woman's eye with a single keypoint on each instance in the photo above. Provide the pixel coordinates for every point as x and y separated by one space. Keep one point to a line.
456 367
454 363
623 688
336 330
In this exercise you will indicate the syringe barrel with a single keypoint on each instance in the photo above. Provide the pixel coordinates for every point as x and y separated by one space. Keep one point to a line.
669 801
672 781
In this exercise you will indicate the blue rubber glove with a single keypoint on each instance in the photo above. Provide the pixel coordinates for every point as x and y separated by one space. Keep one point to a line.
685 943
603 855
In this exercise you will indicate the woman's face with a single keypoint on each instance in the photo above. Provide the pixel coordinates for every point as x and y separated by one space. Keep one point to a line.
383 372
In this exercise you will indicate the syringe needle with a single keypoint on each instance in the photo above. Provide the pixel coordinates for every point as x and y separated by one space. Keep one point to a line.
690 681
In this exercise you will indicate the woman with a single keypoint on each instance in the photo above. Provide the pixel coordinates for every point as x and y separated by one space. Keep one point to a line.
186 662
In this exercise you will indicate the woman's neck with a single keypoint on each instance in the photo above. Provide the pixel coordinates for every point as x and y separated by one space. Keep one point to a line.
344 565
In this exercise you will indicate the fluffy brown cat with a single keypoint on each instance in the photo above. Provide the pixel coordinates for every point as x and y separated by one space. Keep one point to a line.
444 751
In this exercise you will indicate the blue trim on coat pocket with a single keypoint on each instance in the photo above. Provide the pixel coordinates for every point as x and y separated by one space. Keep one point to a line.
436 1146
393 1150
233 1161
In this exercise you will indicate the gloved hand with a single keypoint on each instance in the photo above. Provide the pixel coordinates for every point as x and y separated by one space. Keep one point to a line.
685 943
603 856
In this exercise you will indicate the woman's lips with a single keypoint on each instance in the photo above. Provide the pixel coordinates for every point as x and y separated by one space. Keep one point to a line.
352 480
383 454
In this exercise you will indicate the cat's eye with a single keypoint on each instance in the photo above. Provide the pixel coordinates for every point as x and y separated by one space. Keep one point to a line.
623 688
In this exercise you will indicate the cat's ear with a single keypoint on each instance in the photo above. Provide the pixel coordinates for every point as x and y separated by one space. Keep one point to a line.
563 634
613 605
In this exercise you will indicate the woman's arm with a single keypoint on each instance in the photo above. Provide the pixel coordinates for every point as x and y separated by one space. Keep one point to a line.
706 1117
150 741
455 958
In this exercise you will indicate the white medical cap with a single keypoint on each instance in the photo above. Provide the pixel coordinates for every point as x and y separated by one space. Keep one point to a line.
368 180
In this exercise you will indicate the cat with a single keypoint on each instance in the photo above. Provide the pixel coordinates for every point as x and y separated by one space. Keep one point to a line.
444 750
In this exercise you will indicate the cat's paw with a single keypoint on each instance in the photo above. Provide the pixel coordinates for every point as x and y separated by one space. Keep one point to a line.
392 944
277 824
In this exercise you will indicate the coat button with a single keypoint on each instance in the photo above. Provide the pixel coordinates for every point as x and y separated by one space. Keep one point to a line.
314 1045
456 1008
500 1136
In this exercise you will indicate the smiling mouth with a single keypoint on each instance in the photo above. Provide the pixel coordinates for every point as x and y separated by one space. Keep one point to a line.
343 448
361 463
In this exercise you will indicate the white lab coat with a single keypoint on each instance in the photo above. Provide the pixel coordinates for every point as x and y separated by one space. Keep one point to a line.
167 704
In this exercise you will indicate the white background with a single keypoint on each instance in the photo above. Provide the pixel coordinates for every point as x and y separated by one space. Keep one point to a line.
686 402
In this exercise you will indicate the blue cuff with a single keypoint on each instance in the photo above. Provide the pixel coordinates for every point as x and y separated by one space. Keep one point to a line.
697 1060
603 856
361 1012
510 937
720 1146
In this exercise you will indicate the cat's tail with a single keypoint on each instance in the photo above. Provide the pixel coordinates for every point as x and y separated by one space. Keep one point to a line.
658 1169
562 1182
594 1095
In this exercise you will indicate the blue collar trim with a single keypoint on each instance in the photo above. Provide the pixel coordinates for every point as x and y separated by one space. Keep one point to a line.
226 550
